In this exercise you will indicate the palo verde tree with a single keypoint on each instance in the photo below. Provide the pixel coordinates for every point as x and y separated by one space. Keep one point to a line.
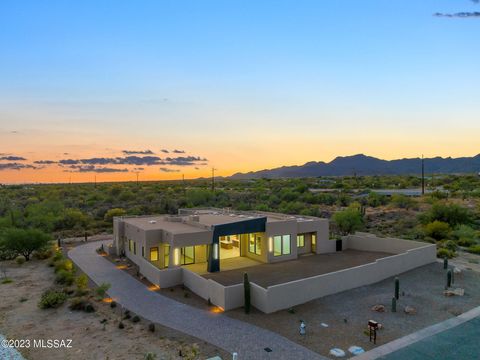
348 221
24 241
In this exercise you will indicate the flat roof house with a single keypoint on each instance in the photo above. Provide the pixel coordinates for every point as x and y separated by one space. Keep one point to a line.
208 251
207 236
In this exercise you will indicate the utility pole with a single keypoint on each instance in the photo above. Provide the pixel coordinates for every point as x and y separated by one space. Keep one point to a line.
136 173
183 184
95 182
423 176
213 179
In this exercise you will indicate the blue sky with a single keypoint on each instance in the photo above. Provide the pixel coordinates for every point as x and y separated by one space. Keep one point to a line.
240 77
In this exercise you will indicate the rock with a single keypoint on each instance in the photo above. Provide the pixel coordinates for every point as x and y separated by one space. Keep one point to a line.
410 310
457 270
457 291
378 308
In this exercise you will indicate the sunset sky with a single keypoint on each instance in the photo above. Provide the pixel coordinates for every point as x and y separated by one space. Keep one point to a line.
109 88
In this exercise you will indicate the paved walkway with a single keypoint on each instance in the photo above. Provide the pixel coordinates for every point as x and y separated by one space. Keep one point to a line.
224 332
455 338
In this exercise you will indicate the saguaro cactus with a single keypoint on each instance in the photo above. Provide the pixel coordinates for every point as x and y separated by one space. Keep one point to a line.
445 262
449 278
397 288
246 292
394 304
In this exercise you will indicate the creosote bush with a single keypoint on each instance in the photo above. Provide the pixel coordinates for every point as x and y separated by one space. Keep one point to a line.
64 277
52 299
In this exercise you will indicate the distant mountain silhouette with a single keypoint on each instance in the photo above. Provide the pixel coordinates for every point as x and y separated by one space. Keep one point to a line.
366 165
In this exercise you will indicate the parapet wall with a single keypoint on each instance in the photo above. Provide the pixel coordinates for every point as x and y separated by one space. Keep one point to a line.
407 256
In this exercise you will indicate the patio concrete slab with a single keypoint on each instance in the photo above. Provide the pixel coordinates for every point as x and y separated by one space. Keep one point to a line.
305 266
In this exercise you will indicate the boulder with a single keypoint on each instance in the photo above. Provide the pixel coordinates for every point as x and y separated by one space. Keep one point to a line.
378 308
410 310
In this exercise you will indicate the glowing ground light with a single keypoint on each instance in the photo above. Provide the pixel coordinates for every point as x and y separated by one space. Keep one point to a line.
102 254
121 267
108 300
154 288
217 309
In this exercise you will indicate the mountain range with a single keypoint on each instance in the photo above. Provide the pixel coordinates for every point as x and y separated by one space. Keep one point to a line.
361 164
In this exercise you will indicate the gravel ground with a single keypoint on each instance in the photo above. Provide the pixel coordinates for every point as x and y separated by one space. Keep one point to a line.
423 289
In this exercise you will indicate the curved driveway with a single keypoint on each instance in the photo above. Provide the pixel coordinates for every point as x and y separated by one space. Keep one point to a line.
224 332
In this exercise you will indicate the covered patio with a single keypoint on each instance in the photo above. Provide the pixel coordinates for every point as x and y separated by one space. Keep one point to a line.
229 264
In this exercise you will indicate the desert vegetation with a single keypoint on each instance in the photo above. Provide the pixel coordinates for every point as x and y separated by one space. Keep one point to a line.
447 215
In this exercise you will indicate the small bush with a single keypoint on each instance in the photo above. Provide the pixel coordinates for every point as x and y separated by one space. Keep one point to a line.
120 325
78 304
66 265
101 291
64 277
6 281
136 319
438 230
475 249
151 327
466 242
20 260
127 316
443 252
89 308
113 304
150 356
52 299
58 256
23 299
43 254
451 245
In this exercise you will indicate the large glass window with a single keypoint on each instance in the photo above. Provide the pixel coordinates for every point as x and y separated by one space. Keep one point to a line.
154 254
277 245
314 242
255 244
130 245
166 255
281 245
300 240
187 255
286 244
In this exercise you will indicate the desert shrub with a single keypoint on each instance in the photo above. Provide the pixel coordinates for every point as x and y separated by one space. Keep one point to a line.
52 299
450 245
89 308
64 277
57 256
438 230
136 319
466 242
6 254
6 280
113 304
78 303
402 201
445 253
475 249
20 260
151 327
43 254
65 264
451 214
348 221
81 282
150 356
101 291
120 325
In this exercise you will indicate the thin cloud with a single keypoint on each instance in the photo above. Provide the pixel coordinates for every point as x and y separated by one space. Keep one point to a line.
183 160
178 151
165 151
93 168
461 15
44 162
16 166
12 158
167 170
138 152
